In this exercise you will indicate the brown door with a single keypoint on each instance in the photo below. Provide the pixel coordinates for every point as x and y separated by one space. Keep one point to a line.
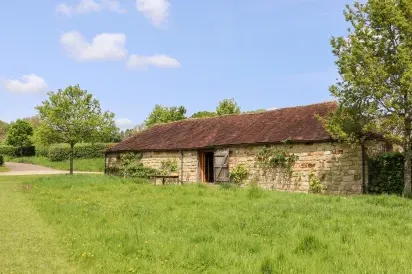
221 165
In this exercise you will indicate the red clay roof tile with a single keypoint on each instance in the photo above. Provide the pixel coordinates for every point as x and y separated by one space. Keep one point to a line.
296 124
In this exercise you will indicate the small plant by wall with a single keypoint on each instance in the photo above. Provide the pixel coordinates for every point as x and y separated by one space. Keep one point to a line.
239 174
168 167
315 186
129 165
269 158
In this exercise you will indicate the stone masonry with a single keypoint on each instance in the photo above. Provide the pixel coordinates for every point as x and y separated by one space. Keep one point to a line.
337 166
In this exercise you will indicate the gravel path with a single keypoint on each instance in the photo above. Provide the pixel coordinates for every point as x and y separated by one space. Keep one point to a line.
28 169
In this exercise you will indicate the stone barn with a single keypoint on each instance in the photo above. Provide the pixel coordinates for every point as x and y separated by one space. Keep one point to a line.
284 149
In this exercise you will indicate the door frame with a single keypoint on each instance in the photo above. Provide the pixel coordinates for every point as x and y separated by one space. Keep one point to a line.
202 164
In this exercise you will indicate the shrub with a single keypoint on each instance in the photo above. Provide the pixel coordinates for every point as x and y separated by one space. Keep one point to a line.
8 150
1 160
129 165
315 186
59 152
239 174
26 151
42 151
386 174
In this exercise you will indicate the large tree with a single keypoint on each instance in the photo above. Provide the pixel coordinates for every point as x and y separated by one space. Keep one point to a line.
19 135
375 64
162 114
227 106
72 116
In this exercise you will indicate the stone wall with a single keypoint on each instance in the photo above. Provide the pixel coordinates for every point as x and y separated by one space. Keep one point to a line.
337 166
155 159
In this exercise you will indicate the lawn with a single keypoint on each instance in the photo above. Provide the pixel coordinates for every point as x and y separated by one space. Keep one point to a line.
96 165
99 224
3 169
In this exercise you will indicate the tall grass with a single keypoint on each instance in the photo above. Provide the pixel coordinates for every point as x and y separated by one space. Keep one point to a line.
110 225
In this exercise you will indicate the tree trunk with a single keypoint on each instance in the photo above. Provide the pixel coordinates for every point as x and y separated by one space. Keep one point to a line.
407 192
71 158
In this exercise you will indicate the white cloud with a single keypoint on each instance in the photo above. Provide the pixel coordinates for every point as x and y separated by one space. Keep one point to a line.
124 123
30 83
155 10
88 6
159 61
105 46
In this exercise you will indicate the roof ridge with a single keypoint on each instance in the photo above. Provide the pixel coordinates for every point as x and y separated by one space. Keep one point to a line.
245 113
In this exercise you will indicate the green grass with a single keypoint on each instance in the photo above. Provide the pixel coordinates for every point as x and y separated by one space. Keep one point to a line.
3 169
27 244
103 224
96 165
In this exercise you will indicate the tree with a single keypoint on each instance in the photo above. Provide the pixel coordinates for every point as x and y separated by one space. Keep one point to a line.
162 114
227 106
3 130
375 64
204 114
19 135
72 116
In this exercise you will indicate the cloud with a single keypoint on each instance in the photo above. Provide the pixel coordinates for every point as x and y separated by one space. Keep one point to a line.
124 123
105 46
159 61
88 6
155 10
30 83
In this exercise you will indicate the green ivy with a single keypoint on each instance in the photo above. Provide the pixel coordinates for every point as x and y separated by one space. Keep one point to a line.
272 158
385 174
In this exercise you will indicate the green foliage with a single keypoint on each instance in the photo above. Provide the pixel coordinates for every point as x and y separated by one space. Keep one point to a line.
196 229
8 150
3 131
374 61
204 114
227 106
239 174
42 151
19 134
61 152
385 174
273 158
315 186
162 114
168 167
73 116
130 165
1 160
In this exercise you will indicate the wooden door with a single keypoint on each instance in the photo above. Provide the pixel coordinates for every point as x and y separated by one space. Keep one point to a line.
221 165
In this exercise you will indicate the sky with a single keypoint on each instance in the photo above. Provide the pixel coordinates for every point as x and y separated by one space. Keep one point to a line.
133 54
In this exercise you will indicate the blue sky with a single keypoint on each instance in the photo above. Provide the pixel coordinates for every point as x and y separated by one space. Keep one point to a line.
134 54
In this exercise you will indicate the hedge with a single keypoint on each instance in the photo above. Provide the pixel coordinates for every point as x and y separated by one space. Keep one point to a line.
42 151
61 152
8 150
386 174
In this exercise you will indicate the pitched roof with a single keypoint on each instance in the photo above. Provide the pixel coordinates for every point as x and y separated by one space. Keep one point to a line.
296 124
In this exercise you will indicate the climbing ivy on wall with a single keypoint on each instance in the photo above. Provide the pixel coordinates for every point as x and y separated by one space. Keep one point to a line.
269 158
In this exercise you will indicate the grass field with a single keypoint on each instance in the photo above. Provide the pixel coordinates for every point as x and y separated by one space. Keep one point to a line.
96 165
3 169
100 224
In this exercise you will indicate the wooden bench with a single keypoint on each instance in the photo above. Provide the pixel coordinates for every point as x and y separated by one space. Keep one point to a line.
164 177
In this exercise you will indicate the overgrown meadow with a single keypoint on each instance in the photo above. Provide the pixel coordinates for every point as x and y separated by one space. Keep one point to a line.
110 225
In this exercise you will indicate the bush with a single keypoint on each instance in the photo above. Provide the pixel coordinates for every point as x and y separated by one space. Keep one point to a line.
239 174
42 151
1 160
26 151
61 152
386 174
8 150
